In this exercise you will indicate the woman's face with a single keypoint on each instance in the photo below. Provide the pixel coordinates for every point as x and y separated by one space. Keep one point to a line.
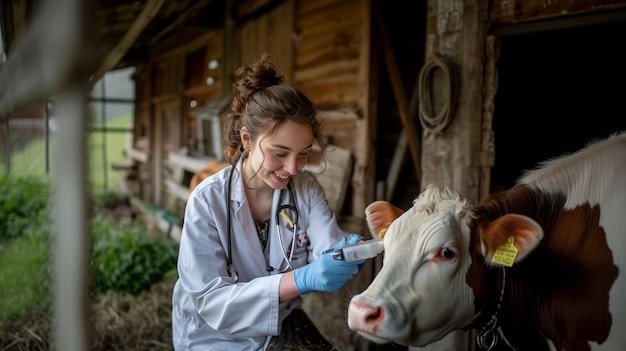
276 157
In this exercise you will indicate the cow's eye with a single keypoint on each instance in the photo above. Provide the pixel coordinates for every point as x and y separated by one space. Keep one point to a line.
448 253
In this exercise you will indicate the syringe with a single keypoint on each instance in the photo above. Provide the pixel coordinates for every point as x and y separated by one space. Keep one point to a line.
359 251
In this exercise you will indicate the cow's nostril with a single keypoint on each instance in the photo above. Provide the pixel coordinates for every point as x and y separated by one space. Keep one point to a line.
365 317
375 316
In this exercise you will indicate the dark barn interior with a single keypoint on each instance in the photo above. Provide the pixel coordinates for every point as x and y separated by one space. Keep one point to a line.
557 91
406 27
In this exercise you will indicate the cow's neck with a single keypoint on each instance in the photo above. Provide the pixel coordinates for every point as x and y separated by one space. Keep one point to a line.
488 331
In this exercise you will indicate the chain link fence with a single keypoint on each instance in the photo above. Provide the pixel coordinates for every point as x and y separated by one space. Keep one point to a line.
27 149
26 145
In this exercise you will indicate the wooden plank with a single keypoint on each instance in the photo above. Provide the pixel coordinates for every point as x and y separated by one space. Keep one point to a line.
157 218
280 33
191 164
364 174
272 34
308 6
332 92
487 149
328 69
522 11
198 5
253 8
137 155
194 44
341 132
329 27
340 114
346 40
327 53
400 151
334 12
180 192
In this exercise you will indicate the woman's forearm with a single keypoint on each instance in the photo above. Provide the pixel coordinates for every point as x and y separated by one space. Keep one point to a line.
287 290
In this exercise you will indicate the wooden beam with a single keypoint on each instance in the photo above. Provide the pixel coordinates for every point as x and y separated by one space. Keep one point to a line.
179 19
149 11
254 8
400 151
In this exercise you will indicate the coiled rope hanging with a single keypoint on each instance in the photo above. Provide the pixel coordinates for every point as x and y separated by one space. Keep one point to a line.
431 122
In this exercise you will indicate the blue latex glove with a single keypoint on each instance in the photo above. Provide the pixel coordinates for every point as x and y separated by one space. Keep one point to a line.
326 273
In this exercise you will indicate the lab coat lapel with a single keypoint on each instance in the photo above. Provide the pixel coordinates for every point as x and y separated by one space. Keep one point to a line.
245 237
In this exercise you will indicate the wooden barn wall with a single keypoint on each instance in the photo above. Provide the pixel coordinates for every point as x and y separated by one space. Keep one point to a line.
332 66
328 50
270 33
320 46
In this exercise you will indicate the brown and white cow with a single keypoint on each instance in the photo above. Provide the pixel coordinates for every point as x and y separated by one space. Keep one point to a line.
535 267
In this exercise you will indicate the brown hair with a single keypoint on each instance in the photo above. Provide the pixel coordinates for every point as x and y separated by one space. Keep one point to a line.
261 102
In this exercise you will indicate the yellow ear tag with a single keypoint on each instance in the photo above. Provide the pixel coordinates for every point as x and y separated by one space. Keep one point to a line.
505 254
381 234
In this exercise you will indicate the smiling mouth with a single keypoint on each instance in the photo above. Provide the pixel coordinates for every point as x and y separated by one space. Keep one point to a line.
281 177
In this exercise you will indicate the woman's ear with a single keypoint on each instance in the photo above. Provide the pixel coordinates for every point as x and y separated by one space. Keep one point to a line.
246 139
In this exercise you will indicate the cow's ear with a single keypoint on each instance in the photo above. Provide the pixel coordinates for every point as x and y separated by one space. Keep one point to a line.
521 231
379 215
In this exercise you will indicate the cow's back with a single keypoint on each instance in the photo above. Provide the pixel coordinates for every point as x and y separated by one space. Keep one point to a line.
595 177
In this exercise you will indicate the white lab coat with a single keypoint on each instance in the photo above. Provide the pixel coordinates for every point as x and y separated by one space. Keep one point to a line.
212 311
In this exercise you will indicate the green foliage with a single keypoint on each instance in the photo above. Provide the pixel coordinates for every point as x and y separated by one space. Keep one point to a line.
25 275
23 205
126 259
105 199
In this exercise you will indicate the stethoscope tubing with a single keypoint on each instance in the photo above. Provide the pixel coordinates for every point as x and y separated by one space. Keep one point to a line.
292 207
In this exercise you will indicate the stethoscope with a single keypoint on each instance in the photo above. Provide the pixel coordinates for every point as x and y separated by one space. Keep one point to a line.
281 211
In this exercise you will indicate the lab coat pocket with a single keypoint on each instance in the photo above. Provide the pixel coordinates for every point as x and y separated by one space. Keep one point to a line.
301 249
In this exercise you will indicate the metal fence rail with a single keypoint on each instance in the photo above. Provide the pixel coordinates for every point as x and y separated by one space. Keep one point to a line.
45 62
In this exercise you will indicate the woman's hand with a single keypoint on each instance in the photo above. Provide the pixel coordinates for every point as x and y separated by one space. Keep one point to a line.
326 273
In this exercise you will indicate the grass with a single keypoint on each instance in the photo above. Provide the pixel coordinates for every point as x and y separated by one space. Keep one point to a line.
23 263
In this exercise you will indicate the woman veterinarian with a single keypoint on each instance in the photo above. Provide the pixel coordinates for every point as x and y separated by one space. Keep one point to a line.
255 233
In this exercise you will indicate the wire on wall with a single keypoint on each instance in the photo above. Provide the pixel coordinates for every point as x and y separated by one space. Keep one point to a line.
437 122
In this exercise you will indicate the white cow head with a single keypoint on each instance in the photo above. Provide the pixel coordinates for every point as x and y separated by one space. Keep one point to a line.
421 293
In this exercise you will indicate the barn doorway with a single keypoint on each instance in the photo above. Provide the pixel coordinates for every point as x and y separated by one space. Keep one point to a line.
557 90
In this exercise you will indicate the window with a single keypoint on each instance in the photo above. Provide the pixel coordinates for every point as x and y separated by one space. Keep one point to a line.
112 104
